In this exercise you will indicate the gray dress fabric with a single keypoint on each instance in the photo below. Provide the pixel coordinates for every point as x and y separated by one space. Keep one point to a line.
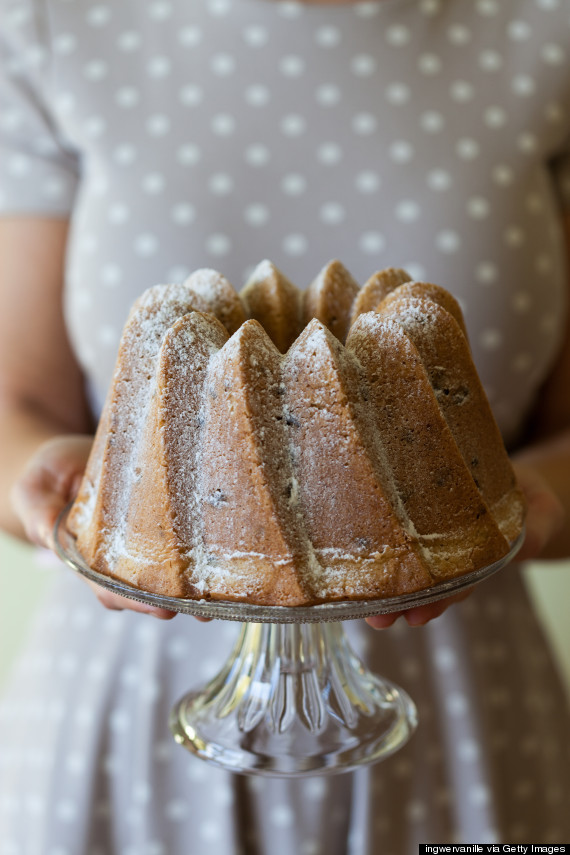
427 134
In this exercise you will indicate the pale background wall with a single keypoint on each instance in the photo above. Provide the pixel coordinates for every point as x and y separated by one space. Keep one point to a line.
25 576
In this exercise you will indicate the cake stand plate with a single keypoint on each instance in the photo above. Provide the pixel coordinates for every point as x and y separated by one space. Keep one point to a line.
293 698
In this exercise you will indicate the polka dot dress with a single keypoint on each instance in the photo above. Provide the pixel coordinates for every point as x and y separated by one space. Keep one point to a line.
427 134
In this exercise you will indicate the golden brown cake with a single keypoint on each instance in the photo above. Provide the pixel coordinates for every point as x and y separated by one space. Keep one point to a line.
283 447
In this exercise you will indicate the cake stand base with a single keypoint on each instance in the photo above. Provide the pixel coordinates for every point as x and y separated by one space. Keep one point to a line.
293 699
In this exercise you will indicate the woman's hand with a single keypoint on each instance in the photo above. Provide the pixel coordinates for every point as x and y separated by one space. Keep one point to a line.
545 517
48 483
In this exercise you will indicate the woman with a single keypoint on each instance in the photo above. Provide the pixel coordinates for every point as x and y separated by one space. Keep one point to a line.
142 141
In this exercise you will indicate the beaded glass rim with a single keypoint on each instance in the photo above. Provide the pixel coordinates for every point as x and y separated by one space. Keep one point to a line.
66 549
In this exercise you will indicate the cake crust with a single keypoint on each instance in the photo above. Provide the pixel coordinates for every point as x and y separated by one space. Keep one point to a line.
336 445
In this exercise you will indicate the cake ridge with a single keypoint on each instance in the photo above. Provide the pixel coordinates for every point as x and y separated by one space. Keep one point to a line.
242 463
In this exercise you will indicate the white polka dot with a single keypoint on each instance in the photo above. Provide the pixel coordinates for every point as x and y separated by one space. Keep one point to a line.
295 244
256 215
486 272
141 792
372 243
223 124
257 95
160 10
332 213
407 211
94 126
218 244
553 54
503 175
292 66
95 70
416 811
190 36
210 831
514 236
445 658
543 264
398 93
430 7
364 123
490 60
255 35
66 811
448 241
363 65
19 165
398 35
127 97
461 91
146 244
401 151
189 155
527 143
429 64
257 155
328 36
368 181
467 149
222 64
431 121
64 44
177 810
439 179
183 214
159 67
522 362
293 125
458 34
219 8
221 184
294 184
456 704
490 339
125 154
554 112
328 95
487 7
98 16
523 85
153 183
129 41
522 301
158 125
290 9
281 816
329 153
519 30
534 203
495 117
478 208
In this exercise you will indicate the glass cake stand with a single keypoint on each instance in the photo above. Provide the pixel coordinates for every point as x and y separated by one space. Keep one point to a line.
293 698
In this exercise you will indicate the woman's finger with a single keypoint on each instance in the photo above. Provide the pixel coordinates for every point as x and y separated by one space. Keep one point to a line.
420 615
545 513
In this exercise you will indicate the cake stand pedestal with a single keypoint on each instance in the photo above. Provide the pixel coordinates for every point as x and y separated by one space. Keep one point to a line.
293 698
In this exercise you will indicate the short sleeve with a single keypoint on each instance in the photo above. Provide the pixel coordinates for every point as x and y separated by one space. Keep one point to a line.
39 173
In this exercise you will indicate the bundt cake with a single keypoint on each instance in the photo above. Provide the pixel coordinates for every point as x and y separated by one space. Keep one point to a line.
283 447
